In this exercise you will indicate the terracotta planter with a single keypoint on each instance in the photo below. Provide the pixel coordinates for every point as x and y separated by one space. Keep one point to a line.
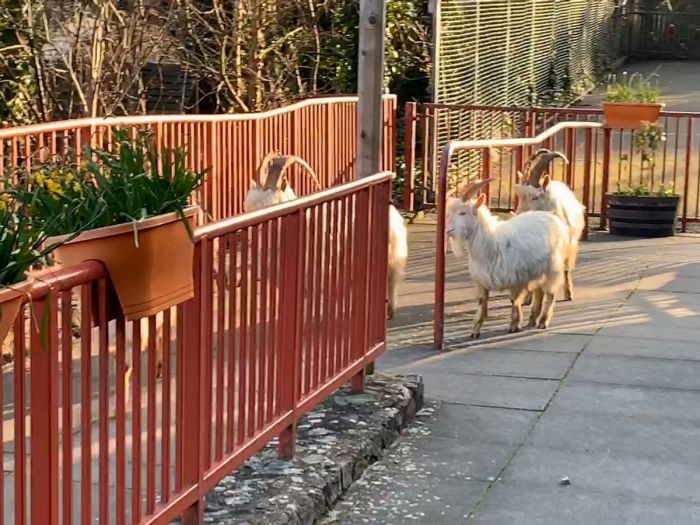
626 115
10 303
147 278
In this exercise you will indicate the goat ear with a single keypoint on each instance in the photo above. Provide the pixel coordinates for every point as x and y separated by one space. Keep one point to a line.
545 181
253 184
480 201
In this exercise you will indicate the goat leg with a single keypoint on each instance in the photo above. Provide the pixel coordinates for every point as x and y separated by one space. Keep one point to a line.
548 310
516 300
483 300
568 285
536 310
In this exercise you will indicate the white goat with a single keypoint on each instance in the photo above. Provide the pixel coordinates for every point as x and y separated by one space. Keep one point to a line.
537 192
523 254
398 254
276 189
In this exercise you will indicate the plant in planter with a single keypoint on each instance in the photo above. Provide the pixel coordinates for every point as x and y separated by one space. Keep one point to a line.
21 249
131 207
639 210
632 100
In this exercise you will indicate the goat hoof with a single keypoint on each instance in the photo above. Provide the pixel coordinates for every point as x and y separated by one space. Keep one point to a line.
532 323
475 335
513 329
568 297
542 325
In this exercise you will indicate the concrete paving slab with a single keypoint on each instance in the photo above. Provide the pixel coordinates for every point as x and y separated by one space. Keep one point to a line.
505 392
407 500
482 424
458 458
652 437
637 371
627 401
527 503
501 362
613 473
638 347
548 341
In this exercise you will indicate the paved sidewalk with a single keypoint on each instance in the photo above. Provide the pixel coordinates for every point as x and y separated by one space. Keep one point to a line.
608 397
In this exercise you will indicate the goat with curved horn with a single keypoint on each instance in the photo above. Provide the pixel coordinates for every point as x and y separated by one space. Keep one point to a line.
276 173
270 185
472 189
539 168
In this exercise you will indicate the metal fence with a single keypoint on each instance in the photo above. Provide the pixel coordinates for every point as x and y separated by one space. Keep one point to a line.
289 305
609 161
667 35
321 130
503 52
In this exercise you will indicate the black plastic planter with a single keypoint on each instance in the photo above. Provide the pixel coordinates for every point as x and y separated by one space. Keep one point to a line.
634 216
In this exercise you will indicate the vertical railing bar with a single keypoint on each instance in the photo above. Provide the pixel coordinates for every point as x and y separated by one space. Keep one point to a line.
220 346
120 413
103 402
66 403
85 408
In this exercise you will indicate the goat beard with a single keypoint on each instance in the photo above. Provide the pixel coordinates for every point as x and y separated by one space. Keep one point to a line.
457 246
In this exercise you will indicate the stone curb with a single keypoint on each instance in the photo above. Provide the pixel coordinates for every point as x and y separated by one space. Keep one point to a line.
337 441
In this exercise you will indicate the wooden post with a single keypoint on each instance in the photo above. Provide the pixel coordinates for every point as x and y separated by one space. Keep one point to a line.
370 87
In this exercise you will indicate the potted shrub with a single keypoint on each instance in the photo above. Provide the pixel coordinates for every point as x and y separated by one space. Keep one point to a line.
632 100
131 207
640 211
21 248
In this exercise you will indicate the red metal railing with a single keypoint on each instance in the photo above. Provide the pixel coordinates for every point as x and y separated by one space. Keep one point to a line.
289 305
608 161
485 149
321 130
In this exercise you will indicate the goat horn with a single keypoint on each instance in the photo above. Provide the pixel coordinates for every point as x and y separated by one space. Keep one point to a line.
533 157
539 168
280 165
264 167
471 189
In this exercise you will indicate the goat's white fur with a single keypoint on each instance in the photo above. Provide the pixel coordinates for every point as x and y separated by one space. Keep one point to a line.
258 197
398 254
525 253
557 198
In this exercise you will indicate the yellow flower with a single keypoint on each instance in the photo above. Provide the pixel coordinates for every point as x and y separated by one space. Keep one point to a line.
39 179
54 187
77 188
68 177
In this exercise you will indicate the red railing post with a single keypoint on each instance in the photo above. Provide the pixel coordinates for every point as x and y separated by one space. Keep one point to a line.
290 316
439 315
44 412
190 388
686 186
409 144
587 159
360 276
486 171
607 144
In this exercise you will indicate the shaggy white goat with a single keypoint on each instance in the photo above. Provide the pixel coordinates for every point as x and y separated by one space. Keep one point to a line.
539 193
525 253
398 253
275 189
